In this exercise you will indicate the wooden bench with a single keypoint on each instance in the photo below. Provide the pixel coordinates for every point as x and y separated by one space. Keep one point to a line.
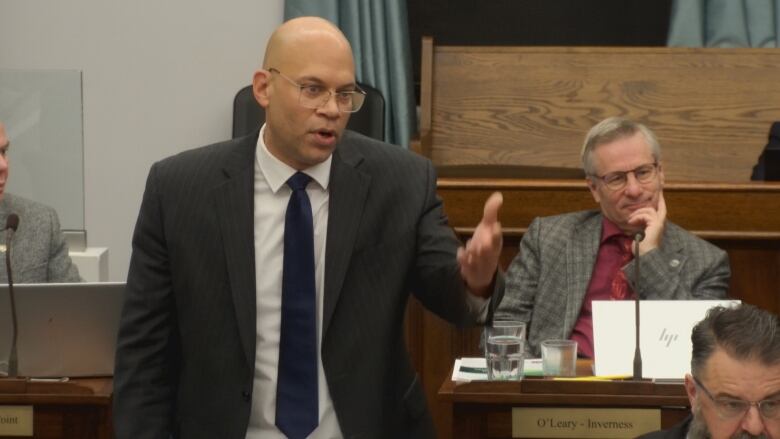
710 108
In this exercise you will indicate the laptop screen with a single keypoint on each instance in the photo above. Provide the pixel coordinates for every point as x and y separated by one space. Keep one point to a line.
65 330
665 335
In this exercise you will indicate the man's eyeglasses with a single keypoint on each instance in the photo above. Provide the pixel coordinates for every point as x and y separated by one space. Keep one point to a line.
316 96
732 407
619 179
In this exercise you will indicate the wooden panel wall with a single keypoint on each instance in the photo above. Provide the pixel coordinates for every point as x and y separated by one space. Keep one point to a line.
743 219
711 108
537 23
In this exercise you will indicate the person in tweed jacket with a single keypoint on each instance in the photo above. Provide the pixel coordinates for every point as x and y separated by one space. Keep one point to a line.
567 261
39 253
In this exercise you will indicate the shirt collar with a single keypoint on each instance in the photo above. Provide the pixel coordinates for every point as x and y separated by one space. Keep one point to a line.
609 230
277 173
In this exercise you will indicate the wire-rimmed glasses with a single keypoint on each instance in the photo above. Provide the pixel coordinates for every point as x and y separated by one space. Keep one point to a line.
619 179
316 96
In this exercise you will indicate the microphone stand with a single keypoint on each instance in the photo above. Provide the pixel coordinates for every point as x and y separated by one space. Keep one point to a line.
13 361
637 351
11 223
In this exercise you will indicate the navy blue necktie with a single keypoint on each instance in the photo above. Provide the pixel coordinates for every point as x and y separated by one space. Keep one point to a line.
297 412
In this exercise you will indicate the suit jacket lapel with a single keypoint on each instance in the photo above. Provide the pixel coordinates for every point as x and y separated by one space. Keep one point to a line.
234 199
348 191
581 254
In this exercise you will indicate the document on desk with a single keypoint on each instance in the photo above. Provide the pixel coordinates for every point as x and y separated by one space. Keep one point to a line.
468 369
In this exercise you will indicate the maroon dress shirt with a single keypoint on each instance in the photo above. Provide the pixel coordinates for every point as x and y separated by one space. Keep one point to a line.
607 282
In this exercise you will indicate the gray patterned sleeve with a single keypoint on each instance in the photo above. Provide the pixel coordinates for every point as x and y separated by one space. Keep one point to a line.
522 278
60 268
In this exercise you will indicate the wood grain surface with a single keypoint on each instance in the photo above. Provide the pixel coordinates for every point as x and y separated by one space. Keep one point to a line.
710 108
741 218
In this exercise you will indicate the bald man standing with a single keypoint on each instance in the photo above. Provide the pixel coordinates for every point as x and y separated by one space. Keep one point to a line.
270 274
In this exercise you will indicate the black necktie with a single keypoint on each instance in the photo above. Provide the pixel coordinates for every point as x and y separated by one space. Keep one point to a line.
297 412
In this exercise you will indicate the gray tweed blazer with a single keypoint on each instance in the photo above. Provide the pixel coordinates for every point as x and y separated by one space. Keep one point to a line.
39 253
548 279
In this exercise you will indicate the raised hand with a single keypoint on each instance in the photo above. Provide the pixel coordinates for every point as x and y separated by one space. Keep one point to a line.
654 221
478 260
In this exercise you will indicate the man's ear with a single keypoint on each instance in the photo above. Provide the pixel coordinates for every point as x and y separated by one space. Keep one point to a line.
594 190
260 84
690 389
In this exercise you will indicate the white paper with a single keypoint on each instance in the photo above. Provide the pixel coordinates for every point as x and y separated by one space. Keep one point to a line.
665 337
475 369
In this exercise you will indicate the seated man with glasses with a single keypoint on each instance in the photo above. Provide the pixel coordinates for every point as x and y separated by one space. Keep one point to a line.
734 384
567 261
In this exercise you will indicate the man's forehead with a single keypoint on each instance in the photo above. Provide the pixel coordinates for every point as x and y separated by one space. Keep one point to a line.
637 140
330 71
626 148
728 375
311 48
296 44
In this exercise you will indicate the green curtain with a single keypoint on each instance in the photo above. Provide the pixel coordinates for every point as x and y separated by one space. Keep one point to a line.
725 23
379 33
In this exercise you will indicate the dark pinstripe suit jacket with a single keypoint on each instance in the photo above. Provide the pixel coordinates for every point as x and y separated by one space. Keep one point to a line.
548 280
186 350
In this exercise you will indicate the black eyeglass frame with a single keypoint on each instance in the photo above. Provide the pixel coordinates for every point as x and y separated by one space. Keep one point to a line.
721 404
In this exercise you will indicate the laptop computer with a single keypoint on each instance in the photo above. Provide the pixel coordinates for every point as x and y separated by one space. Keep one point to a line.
65 329
665 335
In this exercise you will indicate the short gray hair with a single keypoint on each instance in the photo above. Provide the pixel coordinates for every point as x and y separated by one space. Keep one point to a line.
743 332
611 129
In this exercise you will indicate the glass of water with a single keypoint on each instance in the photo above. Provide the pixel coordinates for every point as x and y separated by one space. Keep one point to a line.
504 349
559 358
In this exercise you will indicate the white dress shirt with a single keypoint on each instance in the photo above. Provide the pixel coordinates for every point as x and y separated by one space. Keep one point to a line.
271 198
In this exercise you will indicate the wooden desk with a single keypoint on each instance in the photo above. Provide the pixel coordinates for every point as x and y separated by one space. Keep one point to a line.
743 219
483 409
77 409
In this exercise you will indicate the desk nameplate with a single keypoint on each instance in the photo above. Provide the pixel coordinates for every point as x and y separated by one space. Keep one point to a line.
602 423
16 420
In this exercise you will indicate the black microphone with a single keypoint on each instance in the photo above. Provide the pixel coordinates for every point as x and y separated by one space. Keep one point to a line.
11 224
637 351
